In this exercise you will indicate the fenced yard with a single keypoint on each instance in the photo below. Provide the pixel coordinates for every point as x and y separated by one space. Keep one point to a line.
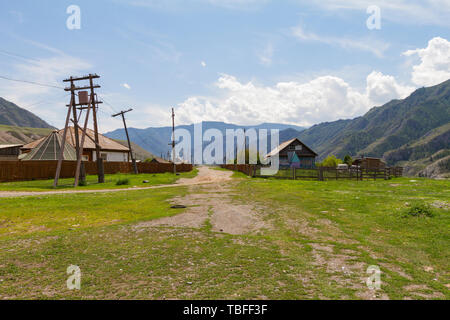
321 173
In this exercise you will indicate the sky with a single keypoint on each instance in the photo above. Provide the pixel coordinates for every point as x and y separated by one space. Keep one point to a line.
239 61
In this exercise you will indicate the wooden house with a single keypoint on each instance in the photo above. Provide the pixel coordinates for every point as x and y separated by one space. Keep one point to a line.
369 163
294 154
10 152
111 150
159 160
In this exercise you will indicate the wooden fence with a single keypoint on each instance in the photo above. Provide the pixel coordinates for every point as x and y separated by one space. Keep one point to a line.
247 169
42 170
321 173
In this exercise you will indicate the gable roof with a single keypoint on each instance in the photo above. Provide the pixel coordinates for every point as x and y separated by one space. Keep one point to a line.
105 143
7 146
284 145
160 160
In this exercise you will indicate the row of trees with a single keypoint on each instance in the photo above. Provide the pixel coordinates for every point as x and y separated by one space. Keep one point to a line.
332 161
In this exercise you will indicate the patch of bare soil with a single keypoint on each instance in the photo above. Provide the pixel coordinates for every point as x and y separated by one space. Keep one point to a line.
418 290
345 270
212 201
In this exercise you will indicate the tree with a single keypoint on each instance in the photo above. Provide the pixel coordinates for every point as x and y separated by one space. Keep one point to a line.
348 160
331 161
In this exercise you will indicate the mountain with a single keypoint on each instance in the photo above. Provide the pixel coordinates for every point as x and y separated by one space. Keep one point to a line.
12 115
21 135
156 140
403 132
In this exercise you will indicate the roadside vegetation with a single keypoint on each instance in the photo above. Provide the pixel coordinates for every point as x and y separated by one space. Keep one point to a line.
111 182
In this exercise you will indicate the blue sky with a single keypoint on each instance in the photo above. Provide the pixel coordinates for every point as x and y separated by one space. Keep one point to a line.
240 61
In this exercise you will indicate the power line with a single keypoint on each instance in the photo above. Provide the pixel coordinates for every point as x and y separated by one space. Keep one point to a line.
12 54
115 111
32 82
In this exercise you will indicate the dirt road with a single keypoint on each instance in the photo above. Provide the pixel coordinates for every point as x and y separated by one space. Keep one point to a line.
210 202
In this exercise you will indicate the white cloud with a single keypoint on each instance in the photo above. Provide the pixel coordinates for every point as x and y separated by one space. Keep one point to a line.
383 88
434 64
374 46
325 98
126 86
48 103
203 64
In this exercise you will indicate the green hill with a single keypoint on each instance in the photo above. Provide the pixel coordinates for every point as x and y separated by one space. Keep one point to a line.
21 135
401 131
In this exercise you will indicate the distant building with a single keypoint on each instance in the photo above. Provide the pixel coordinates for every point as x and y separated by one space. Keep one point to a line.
369 163
48 148
10 152
159 160
294 154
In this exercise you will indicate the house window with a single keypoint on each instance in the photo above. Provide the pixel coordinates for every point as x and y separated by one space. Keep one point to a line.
298 148
291 148
104 156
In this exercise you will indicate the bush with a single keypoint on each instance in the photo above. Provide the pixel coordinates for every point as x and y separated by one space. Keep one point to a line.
418 210
82 183
122 182
330 161
348 160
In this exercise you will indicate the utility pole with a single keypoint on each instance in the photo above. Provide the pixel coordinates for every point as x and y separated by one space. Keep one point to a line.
173 143
84 101
133 159
100 169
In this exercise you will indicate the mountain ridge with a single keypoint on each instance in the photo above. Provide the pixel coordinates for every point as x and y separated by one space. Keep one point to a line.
13 115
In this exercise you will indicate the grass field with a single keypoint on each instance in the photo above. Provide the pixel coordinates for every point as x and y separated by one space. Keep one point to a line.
318 241
92 182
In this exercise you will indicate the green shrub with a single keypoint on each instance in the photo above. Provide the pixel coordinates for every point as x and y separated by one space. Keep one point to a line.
82 183
330 161
122 182
418 210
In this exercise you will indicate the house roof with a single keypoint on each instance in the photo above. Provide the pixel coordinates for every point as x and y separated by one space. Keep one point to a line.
6 146
105 143
49 148
284 145
160 160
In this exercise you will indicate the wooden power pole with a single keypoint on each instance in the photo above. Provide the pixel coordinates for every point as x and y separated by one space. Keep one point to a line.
173 143
133 159
84 103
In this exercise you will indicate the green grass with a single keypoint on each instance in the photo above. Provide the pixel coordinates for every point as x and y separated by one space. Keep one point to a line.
92 182
29 215
368 218
360 221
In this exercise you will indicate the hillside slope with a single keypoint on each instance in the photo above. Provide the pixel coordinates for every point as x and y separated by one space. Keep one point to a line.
141 153
13 115
400 131
21 135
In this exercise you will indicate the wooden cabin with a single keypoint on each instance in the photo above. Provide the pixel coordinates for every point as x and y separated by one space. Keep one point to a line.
295 154
369 163
159 160
10 152
111 150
